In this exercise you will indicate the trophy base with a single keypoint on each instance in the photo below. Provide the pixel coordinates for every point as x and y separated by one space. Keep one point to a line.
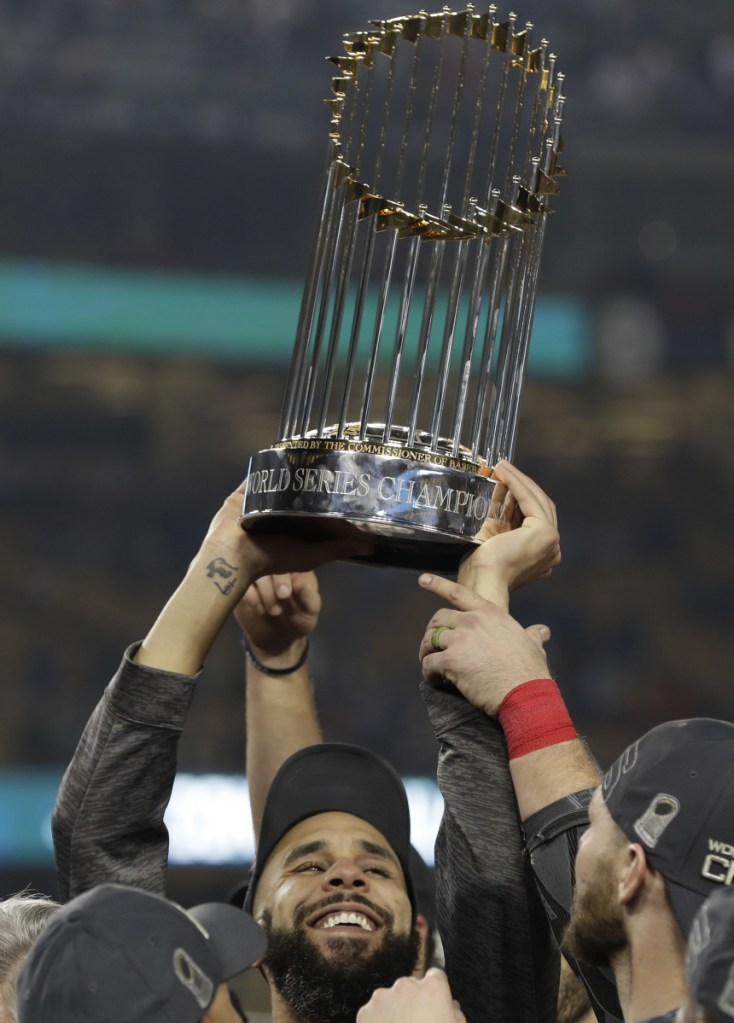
416 509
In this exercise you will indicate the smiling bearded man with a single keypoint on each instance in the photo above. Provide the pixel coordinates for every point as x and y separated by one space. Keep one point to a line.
331 884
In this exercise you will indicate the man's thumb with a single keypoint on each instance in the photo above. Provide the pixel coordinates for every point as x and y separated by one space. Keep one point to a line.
540 634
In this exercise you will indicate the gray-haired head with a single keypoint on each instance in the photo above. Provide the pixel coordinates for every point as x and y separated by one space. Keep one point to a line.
22 919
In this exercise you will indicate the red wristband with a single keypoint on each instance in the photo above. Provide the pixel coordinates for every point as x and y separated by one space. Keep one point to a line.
534 716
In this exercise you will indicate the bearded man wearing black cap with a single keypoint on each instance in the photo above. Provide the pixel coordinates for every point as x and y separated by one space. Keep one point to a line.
654 839
331 883
659 842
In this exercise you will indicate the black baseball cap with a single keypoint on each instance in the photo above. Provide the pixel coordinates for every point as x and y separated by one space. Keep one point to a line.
120 953
673 792
710 957
328 777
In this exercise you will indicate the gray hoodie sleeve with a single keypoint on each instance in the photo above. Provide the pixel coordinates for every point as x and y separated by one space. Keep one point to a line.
108 817
501 960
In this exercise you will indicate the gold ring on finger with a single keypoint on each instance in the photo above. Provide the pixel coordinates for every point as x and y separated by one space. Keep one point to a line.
436 636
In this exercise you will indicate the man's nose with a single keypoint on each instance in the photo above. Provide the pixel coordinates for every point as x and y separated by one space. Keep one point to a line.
345 874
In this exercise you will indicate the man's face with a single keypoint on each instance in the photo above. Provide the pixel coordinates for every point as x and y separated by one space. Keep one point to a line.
333 899
596 930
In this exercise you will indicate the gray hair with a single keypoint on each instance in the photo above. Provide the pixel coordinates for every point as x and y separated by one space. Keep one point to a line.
22 918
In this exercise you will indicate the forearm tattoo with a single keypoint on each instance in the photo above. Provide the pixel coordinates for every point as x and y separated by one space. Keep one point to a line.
219 569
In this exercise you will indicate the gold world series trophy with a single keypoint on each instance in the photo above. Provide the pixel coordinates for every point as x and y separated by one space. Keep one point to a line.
417 310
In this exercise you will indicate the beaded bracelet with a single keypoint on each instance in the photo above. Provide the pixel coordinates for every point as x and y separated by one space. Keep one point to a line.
266 670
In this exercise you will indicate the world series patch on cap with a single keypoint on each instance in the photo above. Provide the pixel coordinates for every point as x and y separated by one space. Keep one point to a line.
673 792
120 953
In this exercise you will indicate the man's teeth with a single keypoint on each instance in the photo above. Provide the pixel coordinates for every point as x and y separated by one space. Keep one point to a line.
335 919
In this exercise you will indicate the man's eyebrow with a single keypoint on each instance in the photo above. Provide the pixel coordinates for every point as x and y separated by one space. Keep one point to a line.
319 845
378 850
306 849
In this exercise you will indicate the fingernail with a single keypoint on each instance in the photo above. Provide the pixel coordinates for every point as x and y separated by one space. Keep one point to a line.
425 580
277 610
283 591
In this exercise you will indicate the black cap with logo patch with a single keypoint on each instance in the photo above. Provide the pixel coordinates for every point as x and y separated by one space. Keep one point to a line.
710 958
120 953
673 792
339 777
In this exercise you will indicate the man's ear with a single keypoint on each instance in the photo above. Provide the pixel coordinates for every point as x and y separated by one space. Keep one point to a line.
634 873
424 932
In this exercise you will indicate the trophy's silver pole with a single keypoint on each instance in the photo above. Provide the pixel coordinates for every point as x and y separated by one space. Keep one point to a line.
496 287
356 329
314 277
511 354
501 97
502 430
434 272
343 249
336 322
444 363
482 260
512 169
469 206
537 238
406 296
506 446
337 283
377 335
392 47
470 337
460 256
508 344
356 319
478 117
426 329
400 334
329 215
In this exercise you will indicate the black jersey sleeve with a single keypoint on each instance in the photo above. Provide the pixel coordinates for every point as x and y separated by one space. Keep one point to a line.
552 837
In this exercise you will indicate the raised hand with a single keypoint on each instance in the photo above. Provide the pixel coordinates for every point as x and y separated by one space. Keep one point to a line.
410 1000
521 540
479 647
279 613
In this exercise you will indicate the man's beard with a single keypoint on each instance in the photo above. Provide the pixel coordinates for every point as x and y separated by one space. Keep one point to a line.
573 1001
326 987
595 932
